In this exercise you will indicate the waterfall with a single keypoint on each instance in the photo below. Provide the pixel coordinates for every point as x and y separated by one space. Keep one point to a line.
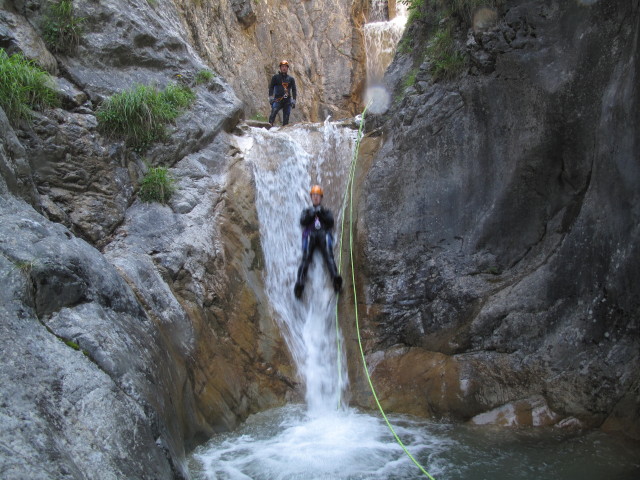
285 166
379 11
381 37
317 441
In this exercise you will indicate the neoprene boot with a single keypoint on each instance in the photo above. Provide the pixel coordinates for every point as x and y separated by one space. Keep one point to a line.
337 283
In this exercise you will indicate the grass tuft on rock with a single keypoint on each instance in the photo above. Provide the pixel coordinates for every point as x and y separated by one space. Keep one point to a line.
24 87
446 61
62 29
157 185
204 76
140 115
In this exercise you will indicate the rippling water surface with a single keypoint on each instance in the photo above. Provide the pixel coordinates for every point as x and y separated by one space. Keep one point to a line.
288 444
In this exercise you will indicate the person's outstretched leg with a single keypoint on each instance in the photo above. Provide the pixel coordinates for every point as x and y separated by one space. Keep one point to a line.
327 253
308 246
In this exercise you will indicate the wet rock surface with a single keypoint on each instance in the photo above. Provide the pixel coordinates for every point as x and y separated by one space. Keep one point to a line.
498 222
79 391
131 331
498 232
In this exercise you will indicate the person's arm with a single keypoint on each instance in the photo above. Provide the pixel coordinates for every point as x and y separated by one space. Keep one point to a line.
326 217
307 217
272 84
294 90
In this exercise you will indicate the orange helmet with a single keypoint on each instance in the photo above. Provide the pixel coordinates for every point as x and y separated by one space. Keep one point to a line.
316 189
284 62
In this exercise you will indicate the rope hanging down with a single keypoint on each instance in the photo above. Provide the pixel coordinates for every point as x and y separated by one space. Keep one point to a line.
349 195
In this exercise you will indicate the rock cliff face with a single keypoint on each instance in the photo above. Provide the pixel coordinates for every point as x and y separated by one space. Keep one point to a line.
498 224
321 40
507 283
133 331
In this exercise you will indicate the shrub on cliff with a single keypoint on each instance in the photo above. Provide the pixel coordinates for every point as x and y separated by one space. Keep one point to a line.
140 115
24 87
61 28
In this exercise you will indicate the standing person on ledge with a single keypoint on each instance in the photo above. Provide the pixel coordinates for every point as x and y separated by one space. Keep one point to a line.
282 94
317 223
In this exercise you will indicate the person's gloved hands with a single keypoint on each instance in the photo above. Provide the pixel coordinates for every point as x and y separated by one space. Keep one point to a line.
271 100
293 103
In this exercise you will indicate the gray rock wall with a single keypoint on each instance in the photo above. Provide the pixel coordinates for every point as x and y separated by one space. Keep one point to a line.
131 332
498 224
86 382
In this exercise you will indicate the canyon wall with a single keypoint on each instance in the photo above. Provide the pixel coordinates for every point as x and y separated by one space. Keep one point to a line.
498 222
497 228
133 331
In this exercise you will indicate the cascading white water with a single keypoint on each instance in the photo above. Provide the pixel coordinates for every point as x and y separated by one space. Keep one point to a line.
381 36
285 166
379 10
324 439
318 441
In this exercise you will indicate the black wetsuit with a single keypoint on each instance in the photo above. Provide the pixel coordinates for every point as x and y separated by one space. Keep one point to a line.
317 223
282 89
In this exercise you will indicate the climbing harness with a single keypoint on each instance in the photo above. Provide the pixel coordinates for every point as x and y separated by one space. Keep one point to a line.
349 193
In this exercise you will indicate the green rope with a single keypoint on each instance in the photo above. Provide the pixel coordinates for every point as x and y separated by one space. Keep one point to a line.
349 193
344 207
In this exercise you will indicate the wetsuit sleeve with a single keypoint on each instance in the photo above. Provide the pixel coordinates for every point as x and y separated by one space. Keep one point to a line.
326 217
294 90
307 217
272 84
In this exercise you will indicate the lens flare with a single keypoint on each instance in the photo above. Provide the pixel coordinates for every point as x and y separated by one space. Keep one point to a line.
378 99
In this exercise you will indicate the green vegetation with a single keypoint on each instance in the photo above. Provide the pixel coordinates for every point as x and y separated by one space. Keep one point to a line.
24 87
177 98
259 117
465 8
461 8
140 115
446 61
25 266
411 78
72 344
157 185
62 30
204 76
414 8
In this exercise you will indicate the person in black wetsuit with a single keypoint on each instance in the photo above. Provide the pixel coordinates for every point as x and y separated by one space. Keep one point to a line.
317 223
282 94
